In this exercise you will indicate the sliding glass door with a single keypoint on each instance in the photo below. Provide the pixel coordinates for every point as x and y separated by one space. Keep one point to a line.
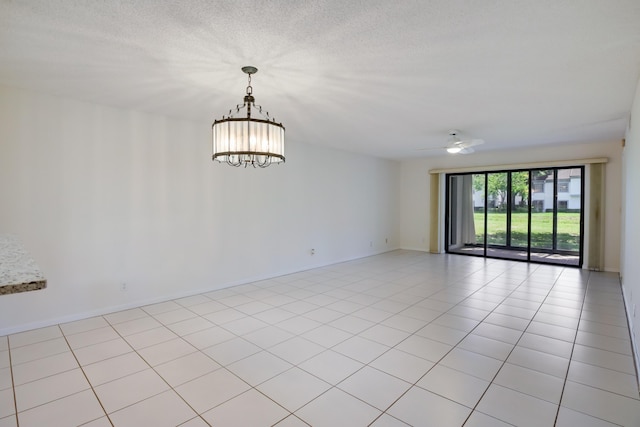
529 215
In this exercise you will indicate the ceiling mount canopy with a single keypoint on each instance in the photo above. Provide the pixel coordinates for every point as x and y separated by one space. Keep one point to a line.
244 141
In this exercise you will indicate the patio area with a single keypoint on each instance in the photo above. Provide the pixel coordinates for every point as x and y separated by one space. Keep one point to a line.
519 254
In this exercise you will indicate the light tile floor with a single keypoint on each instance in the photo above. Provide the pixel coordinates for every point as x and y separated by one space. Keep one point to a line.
403 338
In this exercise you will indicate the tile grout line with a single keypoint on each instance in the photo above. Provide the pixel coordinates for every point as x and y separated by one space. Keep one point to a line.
51 375
512 349
85 376
224 367
368 364
133 350
573 346
13 384
156 372
456 345
329 348
571 359
290 413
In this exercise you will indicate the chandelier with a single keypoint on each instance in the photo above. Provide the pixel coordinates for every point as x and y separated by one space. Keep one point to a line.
244 141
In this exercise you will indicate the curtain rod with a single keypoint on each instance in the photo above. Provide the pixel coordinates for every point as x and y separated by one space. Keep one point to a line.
515 166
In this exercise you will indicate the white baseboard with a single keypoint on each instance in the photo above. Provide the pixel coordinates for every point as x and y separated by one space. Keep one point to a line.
634 342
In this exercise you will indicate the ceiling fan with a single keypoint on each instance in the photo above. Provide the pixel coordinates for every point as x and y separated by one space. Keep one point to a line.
455 145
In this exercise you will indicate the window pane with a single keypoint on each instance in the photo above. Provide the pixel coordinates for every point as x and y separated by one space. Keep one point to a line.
478 207
542 210
520 209
463 231
569 203
497 209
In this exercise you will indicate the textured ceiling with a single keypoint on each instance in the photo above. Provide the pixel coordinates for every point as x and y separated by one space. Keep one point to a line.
377 77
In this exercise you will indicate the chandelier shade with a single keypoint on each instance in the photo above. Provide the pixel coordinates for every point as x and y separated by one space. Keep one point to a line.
244 141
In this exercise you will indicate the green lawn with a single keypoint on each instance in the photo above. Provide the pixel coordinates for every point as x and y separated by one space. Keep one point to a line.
541 229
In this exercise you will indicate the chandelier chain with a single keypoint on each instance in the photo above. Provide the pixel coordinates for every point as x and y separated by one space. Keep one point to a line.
249 87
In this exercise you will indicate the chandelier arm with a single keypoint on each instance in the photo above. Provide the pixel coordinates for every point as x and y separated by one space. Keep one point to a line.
239 107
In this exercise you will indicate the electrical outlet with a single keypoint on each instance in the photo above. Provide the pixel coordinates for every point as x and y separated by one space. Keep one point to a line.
313 251
123 287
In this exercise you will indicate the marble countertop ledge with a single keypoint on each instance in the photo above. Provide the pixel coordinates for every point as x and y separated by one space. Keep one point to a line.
18 271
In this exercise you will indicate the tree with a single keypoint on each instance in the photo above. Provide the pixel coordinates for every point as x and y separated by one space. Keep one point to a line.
519 187
497 186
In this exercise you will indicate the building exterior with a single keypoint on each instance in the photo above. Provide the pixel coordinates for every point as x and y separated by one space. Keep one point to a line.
569 191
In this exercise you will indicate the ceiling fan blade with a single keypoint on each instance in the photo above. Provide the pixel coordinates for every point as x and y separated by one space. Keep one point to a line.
472 142
455 145
430 149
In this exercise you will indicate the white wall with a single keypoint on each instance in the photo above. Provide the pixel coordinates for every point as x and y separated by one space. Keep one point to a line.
102 196
414 193
630 271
